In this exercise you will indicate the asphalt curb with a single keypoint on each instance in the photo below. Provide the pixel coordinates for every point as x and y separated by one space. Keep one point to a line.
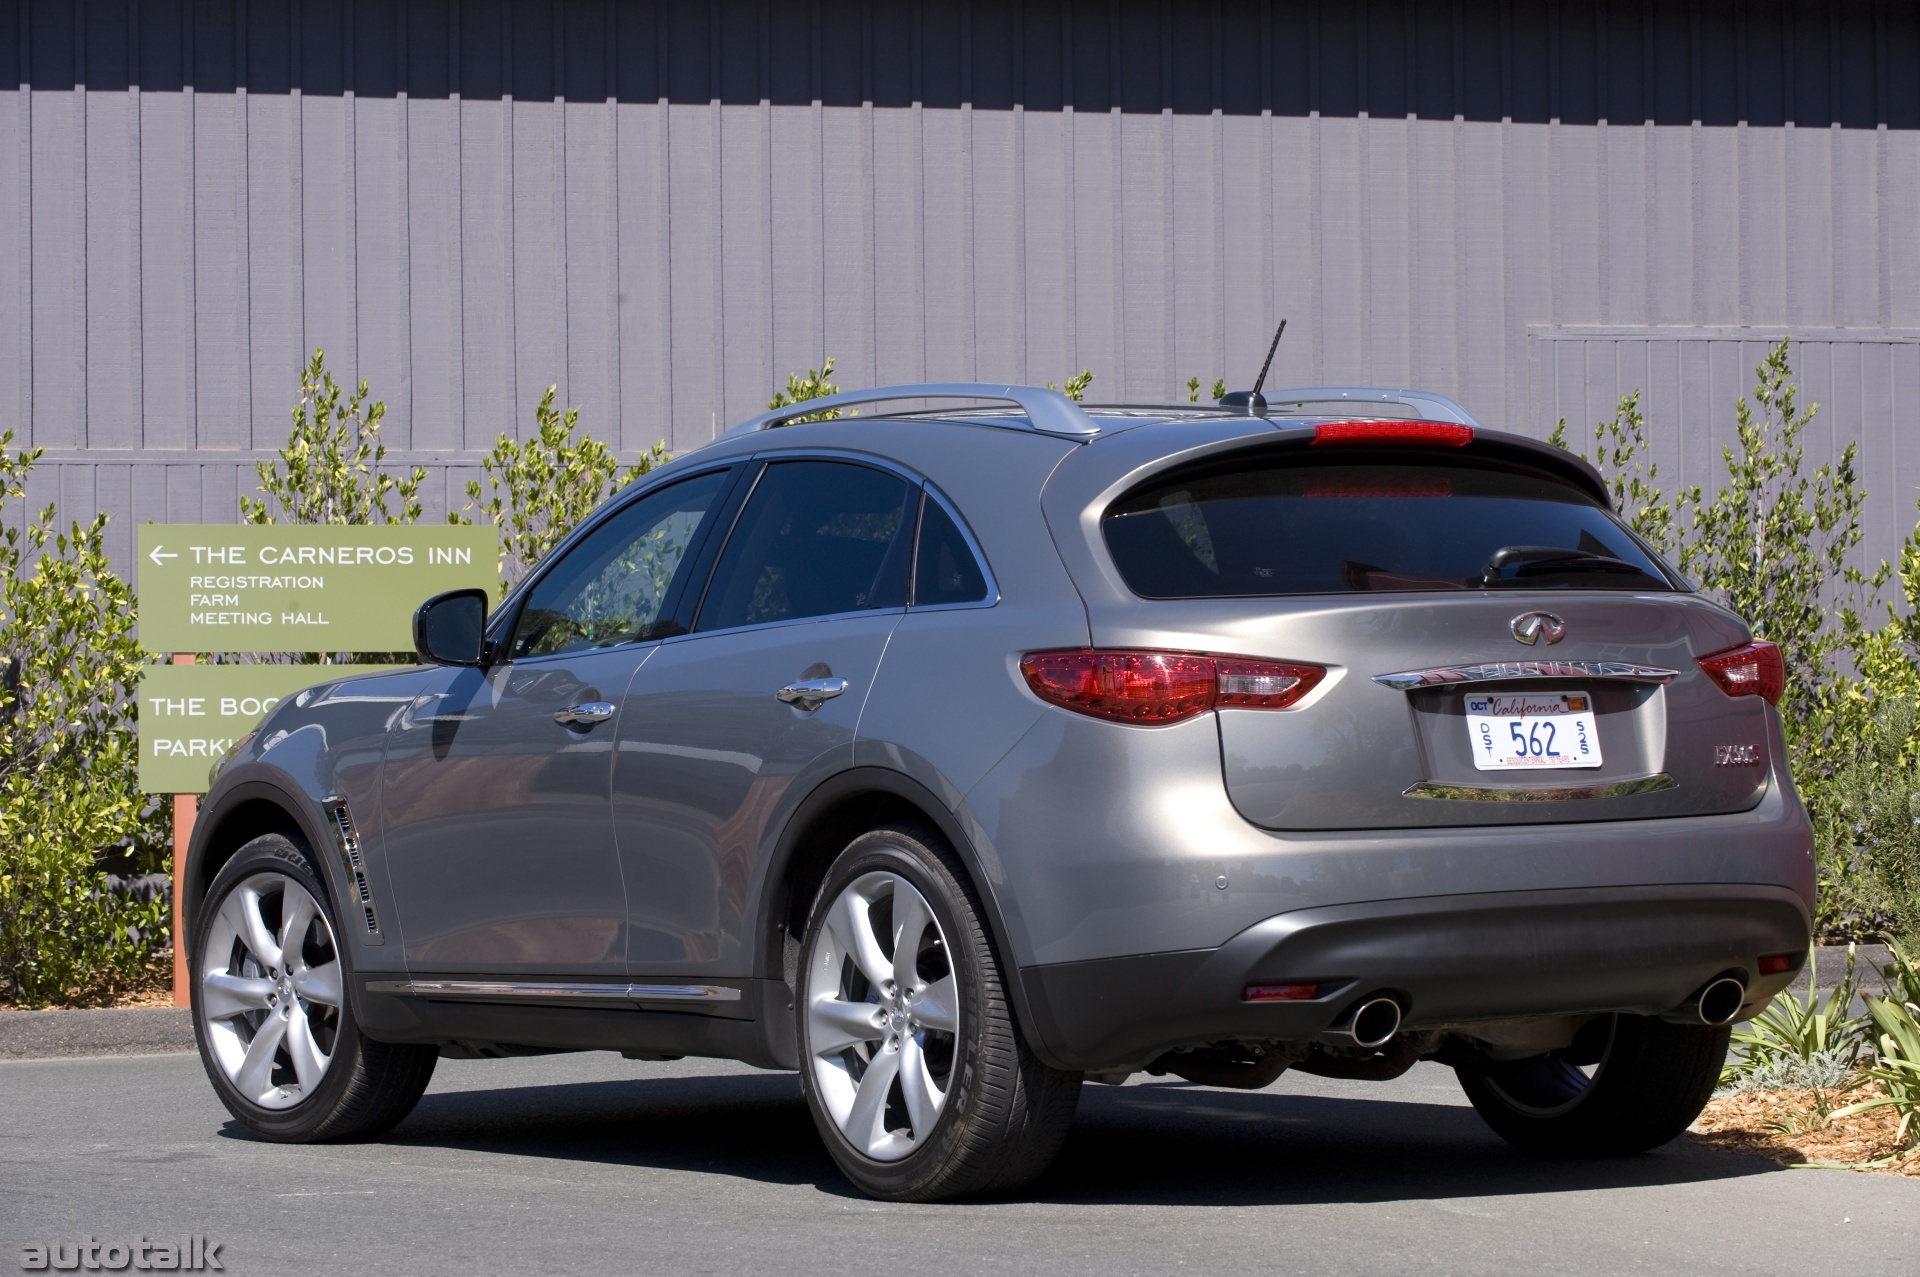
54 1035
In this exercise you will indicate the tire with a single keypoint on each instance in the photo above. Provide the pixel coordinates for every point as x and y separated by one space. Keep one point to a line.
928 1092
277 1037
1651 1080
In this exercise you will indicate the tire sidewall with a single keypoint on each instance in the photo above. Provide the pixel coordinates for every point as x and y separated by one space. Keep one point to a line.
899 852
276 853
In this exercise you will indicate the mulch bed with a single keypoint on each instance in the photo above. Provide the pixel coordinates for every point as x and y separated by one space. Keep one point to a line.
1786 1126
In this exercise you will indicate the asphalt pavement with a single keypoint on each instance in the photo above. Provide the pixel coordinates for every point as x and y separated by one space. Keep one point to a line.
591 1163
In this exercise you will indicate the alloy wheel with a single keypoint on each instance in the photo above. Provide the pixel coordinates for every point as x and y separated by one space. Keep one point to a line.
883 1016
270 990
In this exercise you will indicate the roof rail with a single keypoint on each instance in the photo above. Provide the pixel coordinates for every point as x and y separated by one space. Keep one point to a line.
1434 407
1048 411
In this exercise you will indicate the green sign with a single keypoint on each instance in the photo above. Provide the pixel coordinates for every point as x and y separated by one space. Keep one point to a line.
301 587
191 714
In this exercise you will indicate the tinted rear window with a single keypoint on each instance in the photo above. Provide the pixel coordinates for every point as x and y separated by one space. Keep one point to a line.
1309 526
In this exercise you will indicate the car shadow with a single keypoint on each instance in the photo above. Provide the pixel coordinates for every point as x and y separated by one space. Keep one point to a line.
1159 1144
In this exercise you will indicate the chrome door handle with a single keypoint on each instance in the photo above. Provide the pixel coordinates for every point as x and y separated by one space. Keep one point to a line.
586 713
808 693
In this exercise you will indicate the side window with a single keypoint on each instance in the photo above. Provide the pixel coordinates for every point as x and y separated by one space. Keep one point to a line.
610 588
816 538
945 570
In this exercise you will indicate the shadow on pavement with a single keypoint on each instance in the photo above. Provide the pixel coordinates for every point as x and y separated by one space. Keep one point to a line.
1158 1144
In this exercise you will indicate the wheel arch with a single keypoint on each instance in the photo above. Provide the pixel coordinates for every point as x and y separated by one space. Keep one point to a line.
837 811
240 814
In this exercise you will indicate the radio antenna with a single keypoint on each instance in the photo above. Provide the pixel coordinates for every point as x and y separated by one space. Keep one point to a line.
1261 380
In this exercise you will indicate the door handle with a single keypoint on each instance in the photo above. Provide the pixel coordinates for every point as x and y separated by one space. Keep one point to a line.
808 693
585 714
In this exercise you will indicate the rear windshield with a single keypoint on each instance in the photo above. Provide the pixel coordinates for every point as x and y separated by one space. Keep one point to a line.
1312 526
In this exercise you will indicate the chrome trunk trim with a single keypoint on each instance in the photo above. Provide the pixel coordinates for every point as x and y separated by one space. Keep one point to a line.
503 990
1503 671
1488 794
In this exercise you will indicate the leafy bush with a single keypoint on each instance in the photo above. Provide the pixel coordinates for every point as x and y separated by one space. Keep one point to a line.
1872 832
333 461
1896 1064
537 490
817 384
1802 1043
79 912
1076 387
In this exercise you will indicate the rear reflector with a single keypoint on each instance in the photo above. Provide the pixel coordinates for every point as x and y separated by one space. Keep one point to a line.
1280 993
1150 687
1753 670
1775 963
1431 434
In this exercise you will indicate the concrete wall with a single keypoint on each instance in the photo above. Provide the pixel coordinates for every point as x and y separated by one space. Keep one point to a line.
665 207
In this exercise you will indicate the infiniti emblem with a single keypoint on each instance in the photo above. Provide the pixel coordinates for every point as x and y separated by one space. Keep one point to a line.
1532 627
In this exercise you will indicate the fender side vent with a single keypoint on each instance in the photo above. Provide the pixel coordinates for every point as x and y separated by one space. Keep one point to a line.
347 840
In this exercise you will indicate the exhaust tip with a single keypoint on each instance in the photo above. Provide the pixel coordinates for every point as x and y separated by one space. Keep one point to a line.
1721 1001
1374 1022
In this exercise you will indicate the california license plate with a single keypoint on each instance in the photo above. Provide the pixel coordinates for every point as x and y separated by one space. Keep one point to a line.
1532 730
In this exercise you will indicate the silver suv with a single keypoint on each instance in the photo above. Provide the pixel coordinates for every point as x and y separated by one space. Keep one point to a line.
952 756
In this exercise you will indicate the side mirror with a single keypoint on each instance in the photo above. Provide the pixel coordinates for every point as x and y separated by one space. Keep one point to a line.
450 628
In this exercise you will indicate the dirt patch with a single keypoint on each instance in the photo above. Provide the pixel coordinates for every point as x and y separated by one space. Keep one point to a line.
1787 1126
153 987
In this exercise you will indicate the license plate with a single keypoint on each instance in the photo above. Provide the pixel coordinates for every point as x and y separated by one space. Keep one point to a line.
1532 730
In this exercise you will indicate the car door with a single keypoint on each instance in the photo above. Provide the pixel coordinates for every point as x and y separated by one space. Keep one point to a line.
765 689
498 832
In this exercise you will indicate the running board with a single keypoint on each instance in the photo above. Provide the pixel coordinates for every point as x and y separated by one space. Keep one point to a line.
504 991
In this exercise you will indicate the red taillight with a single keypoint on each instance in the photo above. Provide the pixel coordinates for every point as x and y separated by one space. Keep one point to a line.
1753 670
1775 963
1432 434
1163 687
1280 993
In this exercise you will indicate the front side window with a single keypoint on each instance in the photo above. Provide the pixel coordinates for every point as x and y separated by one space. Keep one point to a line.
611 588
1309 526
817 538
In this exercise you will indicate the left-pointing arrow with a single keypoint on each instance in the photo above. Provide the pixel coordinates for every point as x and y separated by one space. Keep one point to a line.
157 554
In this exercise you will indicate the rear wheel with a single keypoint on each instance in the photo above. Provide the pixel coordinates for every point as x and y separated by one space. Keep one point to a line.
910 1058
270 1011
1639 1083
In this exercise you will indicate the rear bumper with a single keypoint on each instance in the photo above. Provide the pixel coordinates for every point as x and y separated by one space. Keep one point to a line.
1448 959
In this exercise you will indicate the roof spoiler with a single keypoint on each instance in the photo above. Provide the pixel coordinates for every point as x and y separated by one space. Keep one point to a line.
1431 407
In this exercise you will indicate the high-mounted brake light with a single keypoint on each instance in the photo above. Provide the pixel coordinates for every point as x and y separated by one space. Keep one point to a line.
1430 434
1148 687
1753 670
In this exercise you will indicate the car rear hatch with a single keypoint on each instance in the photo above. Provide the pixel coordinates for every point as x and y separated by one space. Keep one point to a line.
1500 648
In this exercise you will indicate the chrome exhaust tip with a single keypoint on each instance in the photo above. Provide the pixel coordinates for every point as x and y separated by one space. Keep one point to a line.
1720 1001
1373 1023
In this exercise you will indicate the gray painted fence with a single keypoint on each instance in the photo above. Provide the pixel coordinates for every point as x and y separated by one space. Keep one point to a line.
667 207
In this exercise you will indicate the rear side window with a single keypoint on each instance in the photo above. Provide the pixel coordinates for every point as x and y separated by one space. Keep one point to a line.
945 570
817 538
1313 526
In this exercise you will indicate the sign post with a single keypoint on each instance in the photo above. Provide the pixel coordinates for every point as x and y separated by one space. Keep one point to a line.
270 588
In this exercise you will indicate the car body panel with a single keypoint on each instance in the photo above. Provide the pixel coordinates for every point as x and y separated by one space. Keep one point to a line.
1098 849
495 824
705 754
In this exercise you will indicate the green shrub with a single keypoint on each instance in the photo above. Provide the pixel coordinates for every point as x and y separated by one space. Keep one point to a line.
74 827
333 461
817 384
537 490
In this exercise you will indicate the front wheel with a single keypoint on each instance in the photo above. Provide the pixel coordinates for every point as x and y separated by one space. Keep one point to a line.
1638 1083
271 1013
912 1064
